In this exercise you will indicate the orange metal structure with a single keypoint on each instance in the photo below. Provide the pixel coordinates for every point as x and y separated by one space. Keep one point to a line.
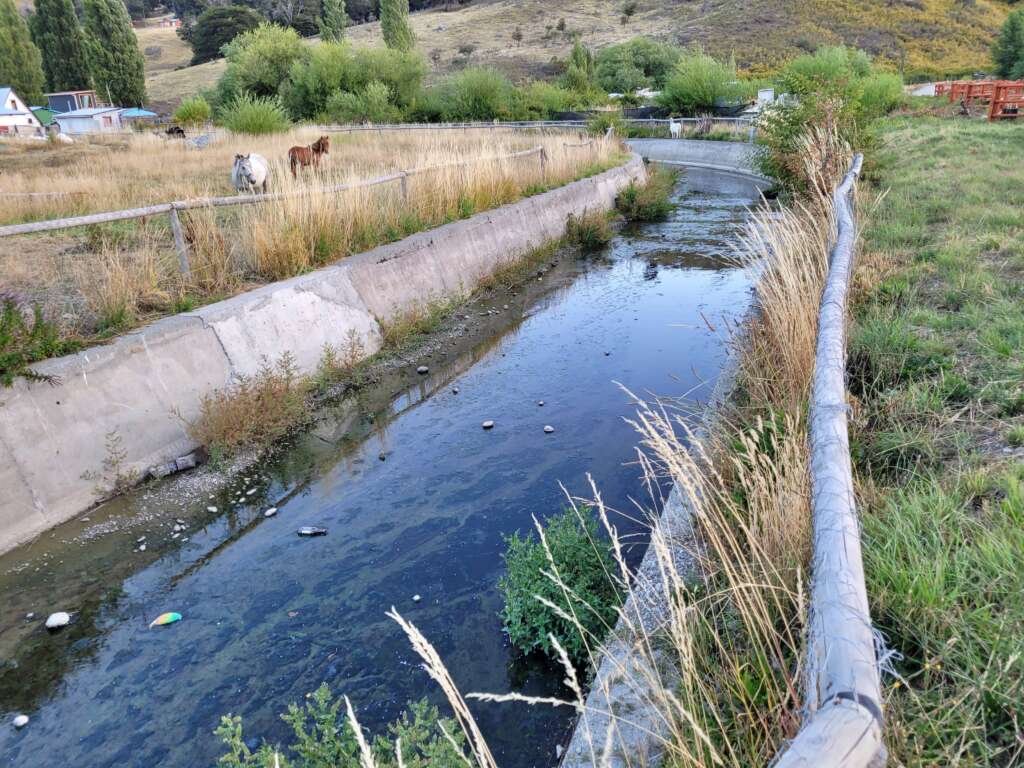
1007 100
977 90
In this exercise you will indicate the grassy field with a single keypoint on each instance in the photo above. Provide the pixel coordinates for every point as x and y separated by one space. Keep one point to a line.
162 49
104 279
932 37
937 369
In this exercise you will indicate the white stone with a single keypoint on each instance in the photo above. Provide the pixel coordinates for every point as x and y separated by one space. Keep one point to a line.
20 721
270 512
58 620
250 492
548 428
487 424
540 403
142 547
416 598
422 369
211 509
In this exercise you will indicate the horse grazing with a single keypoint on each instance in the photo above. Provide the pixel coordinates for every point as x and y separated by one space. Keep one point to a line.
306 156
176 132
250 173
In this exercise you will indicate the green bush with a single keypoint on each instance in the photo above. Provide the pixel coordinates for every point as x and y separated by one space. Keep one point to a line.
373 105
880 94
324 738
255 115
698 83
591 231
258 62
651 201
193 111
331 68
539 100
637 63
476 93
25 340
585 565
602 121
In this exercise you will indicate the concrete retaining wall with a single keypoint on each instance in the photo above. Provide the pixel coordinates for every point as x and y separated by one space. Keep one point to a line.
148 384
731 157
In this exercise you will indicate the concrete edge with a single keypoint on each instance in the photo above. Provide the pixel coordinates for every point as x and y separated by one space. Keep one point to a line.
142 388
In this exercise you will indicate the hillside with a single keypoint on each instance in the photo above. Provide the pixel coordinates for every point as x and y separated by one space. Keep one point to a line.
925 37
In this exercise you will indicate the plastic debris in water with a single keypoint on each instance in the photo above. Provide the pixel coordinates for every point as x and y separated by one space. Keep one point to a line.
164 619
58 620
311 530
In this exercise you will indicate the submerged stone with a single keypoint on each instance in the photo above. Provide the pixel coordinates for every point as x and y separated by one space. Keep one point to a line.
58 620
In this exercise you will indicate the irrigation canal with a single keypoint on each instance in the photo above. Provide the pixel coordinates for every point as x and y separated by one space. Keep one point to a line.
268 615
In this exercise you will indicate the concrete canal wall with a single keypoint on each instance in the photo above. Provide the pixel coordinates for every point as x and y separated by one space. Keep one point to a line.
733 158
147 385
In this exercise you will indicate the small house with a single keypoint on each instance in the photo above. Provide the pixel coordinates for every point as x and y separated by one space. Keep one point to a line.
91 120
71 101
16 119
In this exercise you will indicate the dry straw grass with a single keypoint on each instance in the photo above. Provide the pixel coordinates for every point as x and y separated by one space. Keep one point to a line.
116 275
706 661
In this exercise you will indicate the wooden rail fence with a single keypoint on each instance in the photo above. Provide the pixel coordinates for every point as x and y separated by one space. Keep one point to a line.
174 208
1005 98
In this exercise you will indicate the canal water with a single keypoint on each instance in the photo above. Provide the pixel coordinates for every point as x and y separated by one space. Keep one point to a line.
268 615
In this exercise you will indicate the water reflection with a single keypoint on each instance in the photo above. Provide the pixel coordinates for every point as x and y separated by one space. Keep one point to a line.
269 615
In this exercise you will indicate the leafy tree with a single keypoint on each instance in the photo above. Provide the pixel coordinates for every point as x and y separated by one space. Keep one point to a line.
114 58
637 63
394 24
59 38
332 20
697 83
21 65
579 73
218 26
1008 50
259 62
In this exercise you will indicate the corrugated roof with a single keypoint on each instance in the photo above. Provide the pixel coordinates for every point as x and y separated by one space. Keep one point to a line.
5 91
136 112
88 112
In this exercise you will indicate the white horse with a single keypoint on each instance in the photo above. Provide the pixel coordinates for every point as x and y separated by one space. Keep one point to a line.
250 173
675 130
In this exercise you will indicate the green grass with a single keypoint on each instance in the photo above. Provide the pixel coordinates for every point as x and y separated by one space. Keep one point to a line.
937 365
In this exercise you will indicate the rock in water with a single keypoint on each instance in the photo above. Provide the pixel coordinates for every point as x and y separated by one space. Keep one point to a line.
311 530
270 512
422 370
487 424
549 429
416 598
540 403
20 721
58 620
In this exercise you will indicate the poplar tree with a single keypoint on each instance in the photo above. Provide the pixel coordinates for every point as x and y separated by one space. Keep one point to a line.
394 24
21 66
59 38
332 20
114 57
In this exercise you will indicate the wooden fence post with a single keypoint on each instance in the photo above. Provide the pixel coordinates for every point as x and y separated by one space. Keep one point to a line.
180 244
543 165
405 186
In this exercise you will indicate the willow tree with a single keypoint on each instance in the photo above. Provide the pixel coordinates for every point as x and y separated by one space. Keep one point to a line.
21 66
114 57
394 25
59 38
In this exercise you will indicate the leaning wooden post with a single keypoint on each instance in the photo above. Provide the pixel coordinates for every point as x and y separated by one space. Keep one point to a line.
543 165
180 244
405 186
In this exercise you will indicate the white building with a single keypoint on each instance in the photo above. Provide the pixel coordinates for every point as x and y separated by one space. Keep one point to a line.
91 120
15 117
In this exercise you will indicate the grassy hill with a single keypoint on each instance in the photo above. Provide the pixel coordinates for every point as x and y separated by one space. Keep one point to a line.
924 37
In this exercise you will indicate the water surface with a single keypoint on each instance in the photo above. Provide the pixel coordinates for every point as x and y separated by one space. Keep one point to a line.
269 615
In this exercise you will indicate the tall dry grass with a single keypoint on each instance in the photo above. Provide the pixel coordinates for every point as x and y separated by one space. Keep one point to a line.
119 274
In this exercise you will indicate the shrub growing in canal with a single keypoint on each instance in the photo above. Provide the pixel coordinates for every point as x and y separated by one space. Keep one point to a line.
325 737
591 231
650 201
255 411
568 572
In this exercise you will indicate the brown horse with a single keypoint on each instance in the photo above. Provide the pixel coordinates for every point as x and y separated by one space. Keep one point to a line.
305 156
